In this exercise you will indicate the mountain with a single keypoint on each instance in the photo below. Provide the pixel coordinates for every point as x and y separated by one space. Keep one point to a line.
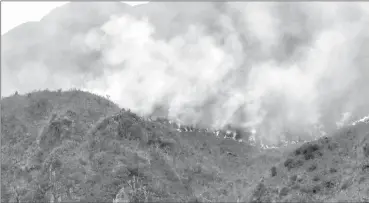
74 146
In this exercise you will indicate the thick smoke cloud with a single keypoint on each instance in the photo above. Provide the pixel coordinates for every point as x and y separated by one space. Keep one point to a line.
285 69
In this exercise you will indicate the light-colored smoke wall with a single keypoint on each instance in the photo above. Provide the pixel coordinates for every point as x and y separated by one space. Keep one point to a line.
276 88
268 66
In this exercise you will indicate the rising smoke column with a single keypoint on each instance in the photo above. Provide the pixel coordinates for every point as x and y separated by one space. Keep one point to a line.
273 67
266 66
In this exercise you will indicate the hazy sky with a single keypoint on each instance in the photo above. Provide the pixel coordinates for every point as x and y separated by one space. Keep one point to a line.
16 13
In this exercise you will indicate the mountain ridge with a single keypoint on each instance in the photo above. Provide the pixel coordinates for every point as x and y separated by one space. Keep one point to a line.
119 155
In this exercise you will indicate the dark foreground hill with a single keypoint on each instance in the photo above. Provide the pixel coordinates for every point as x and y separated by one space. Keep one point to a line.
78 147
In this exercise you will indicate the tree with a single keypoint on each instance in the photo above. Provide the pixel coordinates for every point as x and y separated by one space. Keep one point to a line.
5 196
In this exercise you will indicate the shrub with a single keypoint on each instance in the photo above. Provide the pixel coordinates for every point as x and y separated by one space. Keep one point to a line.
39 108
312 167
293 178
284 191
259 193
346 183
316 178
82 162
316 189
291 163
366 150
273 171
329 184
137 133
309 156
332 146
137 190
332 170
124 124
365 168
307 150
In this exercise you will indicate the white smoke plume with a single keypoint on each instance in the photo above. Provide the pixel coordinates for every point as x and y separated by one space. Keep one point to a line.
273 94
272 67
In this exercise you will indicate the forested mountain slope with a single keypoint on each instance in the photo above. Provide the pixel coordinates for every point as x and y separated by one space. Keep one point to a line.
74 146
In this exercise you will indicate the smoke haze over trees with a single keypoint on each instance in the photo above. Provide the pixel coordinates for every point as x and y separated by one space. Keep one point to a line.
269 66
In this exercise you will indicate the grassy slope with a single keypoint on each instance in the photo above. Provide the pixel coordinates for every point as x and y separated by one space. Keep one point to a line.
75 146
